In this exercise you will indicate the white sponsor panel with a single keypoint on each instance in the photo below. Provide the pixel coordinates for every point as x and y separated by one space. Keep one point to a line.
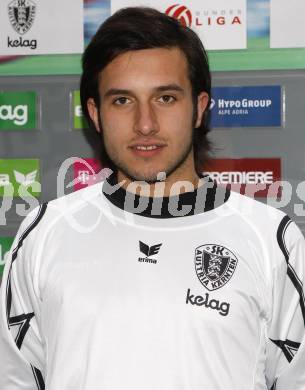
220 24
287 23
30 27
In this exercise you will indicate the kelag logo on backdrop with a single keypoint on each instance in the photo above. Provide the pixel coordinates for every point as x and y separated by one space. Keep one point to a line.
18 110
250 176
5 245
257 106
21 14
79 121
32 27
20 178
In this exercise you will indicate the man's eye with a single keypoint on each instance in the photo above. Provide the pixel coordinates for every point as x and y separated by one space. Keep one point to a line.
121 101
167 99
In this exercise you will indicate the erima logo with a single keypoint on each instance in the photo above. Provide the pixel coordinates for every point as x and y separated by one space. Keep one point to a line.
198 300
17 114
148 251
27 179
21 15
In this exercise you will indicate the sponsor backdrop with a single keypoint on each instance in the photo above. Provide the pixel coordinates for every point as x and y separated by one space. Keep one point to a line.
257 117
220 24
240 34
250 176
19 178
18 110
251 106
78 121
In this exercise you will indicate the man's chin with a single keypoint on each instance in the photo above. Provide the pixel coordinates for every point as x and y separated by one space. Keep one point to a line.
147 177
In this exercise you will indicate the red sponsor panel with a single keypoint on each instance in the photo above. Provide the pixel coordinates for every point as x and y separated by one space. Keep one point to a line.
249 176
86 172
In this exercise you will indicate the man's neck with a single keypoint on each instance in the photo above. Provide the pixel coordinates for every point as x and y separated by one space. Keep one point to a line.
199 200
163 187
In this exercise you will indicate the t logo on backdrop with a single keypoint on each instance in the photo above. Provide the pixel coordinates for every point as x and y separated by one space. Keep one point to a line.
219 25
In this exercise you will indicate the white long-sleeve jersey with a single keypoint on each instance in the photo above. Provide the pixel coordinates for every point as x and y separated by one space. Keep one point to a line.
94 297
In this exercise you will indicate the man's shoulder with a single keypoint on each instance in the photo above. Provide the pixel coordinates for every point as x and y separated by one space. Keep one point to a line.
76 199
263 216
51 212
248 205
273 226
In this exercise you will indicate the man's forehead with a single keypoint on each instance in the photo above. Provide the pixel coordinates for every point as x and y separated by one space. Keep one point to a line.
160 65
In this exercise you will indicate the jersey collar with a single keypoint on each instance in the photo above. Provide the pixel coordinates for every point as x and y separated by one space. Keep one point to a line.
205 198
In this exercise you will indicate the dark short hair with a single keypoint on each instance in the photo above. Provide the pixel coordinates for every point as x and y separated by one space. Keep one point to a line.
138 28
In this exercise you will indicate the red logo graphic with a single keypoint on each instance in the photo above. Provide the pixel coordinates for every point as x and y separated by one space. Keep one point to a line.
86 172
254 177
181 13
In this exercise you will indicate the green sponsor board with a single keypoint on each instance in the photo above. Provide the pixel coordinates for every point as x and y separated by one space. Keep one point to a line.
5 245
18 110
258 56
79 122
19 178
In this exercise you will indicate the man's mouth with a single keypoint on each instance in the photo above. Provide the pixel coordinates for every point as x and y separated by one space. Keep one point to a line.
151 147
147 150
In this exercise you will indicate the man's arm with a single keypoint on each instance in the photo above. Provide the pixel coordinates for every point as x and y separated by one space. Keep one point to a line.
285 364
21 347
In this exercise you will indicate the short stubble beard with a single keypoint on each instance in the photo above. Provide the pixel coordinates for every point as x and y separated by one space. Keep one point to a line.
151 179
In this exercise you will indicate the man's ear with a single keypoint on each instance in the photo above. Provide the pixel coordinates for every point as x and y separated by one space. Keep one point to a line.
202 102
93 112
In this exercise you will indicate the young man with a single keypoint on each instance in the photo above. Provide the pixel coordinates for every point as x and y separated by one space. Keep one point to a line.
155 279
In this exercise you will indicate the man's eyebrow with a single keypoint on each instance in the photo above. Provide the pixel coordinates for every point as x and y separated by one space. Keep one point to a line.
161 88
169 87
117 91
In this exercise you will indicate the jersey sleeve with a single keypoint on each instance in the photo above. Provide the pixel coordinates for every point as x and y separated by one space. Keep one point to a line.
285 360
21 345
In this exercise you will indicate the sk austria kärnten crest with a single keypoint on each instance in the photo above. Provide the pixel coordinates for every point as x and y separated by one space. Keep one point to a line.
215 265
21 14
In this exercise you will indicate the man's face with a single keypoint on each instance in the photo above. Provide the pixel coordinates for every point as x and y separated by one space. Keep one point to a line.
146 114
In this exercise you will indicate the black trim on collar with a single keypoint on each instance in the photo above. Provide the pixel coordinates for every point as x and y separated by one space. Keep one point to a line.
205 198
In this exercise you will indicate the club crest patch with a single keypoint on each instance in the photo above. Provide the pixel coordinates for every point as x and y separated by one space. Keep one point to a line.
215 265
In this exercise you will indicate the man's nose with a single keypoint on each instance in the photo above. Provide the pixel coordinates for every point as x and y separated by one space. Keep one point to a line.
145 119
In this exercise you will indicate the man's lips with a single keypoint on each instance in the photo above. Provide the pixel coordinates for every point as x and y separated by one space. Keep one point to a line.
146 150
